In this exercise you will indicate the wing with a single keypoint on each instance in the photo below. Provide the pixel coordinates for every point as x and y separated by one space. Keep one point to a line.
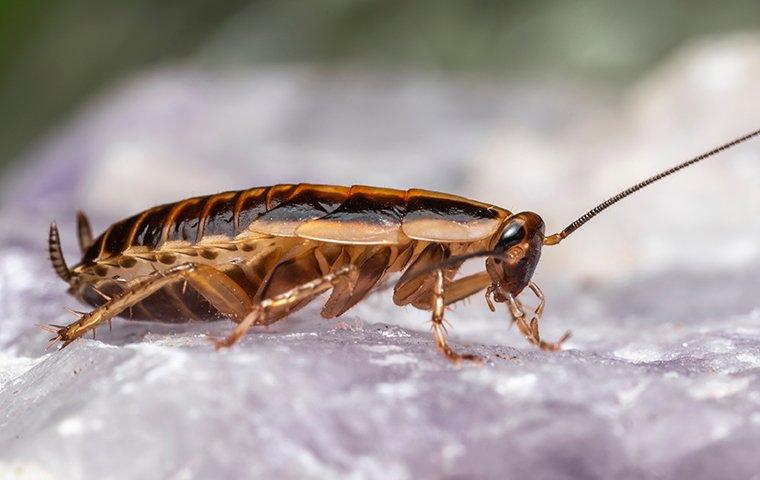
306 202
440 217
381 216
369 216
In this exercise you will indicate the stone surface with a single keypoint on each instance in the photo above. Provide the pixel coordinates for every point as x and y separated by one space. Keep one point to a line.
660 380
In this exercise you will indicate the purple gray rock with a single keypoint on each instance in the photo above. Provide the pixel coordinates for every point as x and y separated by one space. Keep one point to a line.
660 380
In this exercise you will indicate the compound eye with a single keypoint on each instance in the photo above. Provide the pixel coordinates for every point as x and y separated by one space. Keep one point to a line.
513 234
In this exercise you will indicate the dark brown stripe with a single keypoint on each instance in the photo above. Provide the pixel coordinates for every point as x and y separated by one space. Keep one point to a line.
150 233
307 202
218 217
250 205
130 240
278 194
183 222
423 204
369 205
117 236
99 245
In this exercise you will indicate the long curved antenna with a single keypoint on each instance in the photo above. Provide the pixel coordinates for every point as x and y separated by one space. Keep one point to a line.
558 237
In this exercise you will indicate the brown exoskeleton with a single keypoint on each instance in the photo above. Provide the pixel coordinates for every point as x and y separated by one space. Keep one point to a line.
256 255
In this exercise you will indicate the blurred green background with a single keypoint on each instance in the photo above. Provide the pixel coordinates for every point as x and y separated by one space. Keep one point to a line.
56 54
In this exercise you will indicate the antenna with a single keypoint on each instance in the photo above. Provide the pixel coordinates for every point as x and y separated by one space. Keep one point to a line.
558 237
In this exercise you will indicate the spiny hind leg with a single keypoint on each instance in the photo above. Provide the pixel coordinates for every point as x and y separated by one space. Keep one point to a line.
530 328
285 300
438 305
217 288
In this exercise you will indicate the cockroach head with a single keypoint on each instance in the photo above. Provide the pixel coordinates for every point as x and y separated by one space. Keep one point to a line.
517 248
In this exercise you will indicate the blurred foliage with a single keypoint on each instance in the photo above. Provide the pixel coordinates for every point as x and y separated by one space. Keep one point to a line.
604 40
56 53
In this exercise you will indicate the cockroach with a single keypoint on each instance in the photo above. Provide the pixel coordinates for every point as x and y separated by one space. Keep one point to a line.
256 255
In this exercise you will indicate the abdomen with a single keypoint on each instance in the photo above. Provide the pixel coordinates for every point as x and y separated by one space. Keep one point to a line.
266 239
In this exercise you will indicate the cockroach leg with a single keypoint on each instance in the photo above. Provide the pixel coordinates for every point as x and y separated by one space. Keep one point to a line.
241 328
465 287
530 328
285 300
439 330
100 292
539 312
489 297
216 287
